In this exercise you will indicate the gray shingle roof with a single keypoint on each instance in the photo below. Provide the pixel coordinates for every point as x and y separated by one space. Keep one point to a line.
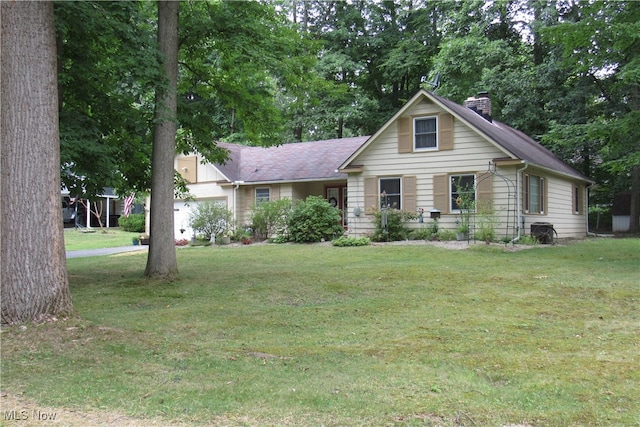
303 161
512 140
319 160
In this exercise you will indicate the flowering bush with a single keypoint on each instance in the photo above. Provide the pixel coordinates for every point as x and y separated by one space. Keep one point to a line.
182 242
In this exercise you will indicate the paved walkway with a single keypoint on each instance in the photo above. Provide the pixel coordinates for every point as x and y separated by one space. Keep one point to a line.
105 251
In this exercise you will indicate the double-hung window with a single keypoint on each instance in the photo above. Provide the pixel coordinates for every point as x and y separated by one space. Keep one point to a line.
390 195
534 194
463 192
262 195
577 200
425 133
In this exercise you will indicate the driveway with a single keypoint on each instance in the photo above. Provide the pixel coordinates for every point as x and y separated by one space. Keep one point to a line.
105 251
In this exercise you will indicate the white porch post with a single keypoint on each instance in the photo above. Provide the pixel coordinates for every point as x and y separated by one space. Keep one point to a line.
108 203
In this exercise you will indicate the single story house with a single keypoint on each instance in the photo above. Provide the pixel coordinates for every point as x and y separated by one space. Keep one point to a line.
421 161
255 174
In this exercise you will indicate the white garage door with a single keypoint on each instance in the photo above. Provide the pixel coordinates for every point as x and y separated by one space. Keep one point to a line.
182 212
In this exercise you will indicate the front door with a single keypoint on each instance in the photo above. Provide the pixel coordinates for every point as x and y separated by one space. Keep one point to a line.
337 196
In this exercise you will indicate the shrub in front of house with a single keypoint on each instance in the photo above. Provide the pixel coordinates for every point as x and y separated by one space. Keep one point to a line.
446 235
345 241
314 220
133 223
210 219
394 227
271 219
420 234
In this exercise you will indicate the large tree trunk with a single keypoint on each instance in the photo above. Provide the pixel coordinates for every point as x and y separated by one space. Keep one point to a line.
161 261
34 271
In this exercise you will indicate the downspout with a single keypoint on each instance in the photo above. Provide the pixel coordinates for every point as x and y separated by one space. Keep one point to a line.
589 233
519 201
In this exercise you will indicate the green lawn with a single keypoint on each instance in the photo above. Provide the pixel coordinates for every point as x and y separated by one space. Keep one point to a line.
79 239
319 335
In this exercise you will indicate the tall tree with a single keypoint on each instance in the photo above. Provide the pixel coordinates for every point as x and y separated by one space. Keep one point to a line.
601 54
240 62
162 261
34 273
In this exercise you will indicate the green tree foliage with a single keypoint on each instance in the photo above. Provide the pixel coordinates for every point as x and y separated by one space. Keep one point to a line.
161 259
236 58
107 64
211 219
601 53
566 73
238 62
314 220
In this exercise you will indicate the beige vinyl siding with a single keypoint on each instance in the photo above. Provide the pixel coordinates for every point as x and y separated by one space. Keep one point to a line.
505 202
249 198
579 207
286 191
560 210
484 184
197 172
471 154
188 168
274 192
299 191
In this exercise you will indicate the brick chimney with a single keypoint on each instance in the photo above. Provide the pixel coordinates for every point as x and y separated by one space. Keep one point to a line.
481 104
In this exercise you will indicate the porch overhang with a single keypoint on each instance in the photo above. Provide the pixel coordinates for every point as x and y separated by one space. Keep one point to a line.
352 169
508 161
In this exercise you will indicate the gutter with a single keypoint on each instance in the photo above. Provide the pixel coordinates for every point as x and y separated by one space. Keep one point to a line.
519 200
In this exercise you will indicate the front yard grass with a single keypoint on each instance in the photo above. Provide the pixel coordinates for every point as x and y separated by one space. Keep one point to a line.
78 239
322 335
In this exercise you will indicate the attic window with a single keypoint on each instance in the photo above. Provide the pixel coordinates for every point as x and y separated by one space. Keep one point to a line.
425 133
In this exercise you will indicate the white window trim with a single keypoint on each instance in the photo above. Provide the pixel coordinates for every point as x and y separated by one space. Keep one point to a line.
415 119
399 178
541 195
475 188
256 194
577 202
